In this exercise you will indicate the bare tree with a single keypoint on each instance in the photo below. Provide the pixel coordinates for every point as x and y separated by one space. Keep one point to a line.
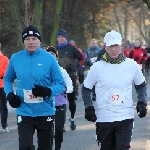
58 11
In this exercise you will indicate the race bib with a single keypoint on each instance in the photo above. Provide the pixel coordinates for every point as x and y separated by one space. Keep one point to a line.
30 98
93 59
116 98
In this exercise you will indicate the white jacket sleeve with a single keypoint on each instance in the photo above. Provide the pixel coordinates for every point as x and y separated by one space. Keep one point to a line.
68 81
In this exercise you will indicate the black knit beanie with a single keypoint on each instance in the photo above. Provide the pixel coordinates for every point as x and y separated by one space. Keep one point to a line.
62 32
30 31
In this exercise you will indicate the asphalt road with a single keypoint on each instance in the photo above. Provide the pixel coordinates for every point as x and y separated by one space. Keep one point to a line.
83 138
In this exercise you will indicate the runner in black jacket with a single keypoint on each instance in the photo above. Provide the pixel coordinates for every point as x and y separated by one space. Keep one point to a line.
67 54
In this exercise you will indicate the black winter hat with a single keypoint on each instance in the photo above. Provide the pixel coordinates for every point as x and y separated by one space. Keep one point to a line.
30 31
53 50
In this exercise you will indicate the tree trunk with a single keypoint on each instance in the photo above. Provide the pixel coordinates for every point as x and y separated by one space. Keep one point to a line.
16 16
58 10
37 14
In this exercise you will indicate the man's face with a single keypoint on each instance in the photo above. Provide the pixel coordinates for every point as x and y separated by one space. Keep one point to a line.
137 43
113 50
61 39
32 43
93 43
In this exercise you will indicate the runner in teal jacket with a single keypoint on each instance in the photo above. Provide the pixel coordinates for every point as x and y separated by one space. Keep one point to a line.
37 68
39 79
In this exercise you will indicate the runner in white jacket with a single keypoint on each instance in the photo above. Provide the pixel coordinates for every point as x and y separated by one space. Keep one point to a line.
113 77
60 104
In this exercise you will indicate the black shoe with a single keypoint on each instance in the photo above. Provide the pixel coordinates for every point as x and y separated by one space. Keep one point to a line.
93 98
72 125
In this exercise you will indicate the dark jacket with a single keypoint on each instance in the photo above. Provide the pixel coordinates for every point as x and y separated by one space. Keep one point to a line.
102 52
67 56
92 54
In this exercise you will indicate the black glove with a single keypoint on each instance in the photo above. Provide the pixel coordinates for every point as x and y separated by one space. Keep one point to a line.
136 58
90 114
41 91
141 109
14 100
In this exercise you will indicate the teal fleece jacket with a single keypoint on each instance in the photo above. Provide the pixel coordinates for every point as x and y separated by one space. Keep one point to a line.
39 68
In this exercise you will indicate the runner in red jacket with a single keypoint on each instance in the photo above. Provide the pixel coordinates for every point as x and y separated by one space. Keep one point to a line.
138 54
127 51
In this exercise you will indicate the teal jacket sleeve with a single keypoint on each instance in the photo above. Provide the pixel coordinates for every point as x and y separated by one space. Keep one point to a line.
9 78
